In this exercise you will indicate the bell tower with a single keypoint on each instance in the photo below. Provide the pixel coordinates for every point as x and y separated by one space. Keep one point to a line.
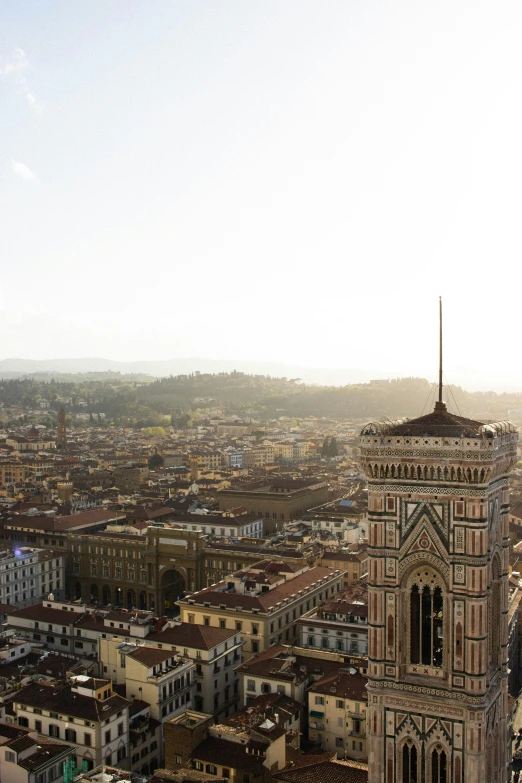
438 503
61 440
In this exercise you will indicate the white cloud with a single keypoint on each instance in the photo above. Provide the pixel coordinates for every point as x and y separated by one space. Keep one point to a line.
15 71
22 170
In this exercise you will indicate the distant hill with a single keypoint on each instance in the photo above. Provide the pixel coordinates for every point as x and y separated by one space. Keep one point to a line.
500 380
17 368
141 401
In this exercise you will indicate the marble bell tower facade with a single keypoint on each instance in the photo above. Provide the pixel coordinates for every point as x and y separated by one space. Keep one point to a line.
438 504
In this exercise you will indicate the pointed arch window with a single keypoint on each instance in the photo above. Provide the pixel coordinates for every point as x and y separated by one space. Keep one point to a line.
426 620
409 763
438 765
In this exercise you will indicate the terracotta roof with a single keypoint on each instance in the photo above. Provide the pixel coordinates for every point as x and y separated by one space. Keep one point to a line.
263 601
344 685
326 772
45 752
44 614
278 663
61 698
151 656
191 635
18 744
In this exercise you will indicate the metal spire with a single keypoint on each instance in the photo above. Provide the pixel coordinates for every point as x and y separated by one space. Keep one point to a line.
440 349
439 405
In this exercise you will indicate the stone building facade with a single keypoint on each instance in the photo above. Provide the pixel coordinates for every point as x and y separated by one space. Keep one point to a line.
278 502
438 598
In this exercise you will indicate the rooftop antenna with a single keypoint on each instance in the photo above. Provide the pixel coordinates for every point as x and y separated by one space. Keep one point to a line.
439 405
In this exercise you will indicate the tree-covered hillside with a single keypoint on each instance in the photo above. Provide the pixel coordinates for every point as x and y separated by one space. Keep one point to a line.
179 399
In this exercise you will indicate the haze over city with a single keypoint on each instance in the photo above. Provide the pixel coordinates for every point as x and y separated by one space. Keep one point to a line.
260 468
279 182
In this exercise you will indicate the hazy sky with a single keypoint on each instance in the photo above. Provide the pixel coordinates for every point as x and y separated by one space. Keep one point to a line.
290 180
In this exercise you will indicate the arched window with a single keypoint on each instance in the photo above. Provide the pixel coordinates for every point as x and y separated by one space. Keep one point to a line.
438 765
409 763
426 619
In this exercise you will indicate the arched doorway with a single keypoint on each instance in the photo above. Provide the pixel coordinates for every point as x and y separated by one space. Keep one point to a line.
118 596
131 599
143 600
106 595
172 588
94 593
78 591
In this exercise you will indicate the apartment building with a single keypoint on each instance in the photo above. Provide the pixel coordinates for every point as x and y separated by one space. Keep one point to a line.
214 652
258 456
237 753
354 564
145 738
200 461
235 523
262 602
76 628
84 711
340 624
27 574
160 677
26 757
337 707
289 671
13 472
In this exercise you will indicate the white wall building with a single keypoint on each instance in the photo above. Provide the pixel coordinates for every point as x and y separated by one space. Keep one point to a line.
27 575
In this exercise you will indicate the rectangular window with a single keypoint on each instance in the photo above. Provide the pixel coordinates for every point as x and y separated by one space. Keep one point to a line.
339 703
87 740
319 700
10 756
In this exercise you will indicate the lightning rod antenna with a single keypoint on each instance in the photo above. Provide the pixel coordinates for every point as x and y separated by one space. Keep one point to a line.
440 349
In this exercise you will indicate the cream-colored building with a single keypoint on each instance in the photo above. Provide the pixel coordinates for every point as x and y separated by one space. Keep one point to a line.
215 654
337 714
160 677
262 602
85 711
25 757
